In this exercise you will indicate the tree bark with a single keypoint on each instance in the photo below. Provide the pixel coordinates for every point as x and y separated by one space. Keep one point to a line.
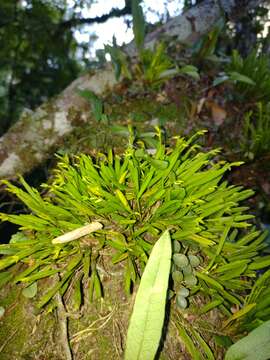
35 136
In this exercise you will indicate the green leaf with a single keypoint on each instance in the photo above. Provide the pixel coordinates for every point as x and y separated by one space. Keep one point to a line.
220 79
227 296
147 319
127 280
220 245
201 240
77 295
47 297
187 340
233 273
98 287
255 345
119 256
119 60
95 286
123 200
10 260
18 237
30 291
39 275
223 340
96 103
260 263
206 46
240 313
231 266
138 23
169 73
212 305
209 280
159 164
204 346
5 277
86 261
7 249
235 76
190 70
116 240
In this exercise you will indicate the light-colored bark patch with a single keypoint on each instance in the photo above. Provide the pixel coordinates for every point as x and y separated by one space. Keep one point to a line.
61 123
47 125
9 164
97 82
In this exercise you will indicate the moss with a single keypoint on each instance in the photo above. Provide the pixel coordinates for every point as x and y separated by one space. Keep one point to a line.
23 335
141 112
13 324
142 109
38 337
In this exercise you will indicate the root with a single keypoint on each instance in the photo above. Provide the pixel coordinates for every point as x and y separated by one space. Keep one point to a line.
63 325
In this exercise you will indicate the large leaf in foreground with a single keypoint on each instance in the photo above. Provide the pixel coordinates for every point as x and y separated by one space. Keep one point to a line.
255 345
147 319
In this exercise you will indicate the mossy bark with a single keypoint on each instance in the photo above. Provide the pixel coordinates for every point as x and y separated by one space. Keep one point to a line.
96 332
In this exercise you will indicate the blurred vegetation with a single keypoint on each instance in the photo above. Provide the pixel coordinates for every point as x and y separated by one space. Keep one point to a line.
39 54
37 59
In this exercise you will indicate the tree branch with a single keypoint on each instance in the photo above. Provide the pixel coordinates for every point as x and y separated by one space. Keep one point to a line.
73 22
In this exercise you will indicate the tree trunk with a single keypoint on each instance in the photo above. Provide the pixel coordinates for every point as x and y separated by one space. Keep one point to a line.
36 135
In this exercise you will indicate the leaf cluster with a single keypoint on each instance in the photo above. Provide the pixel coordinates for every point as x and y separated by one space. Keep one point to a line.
136 196
256 131
154 66
252 75
96 103
37 58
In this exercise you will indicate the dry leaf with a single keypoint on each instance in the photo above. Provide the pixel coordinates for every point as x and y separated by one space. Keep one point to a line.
218 113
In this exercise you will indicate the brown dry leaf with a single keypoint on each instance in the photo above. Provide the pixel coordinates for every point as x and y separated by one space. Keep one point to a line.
218 113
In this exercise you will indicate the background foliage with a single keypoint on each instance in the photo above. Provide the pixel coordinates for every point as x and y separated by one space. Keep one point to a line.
40 54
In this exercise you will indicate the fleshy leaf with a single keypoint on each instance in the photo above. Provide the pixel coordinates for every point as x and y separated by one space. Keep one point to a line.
256 345
30 291
149 309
